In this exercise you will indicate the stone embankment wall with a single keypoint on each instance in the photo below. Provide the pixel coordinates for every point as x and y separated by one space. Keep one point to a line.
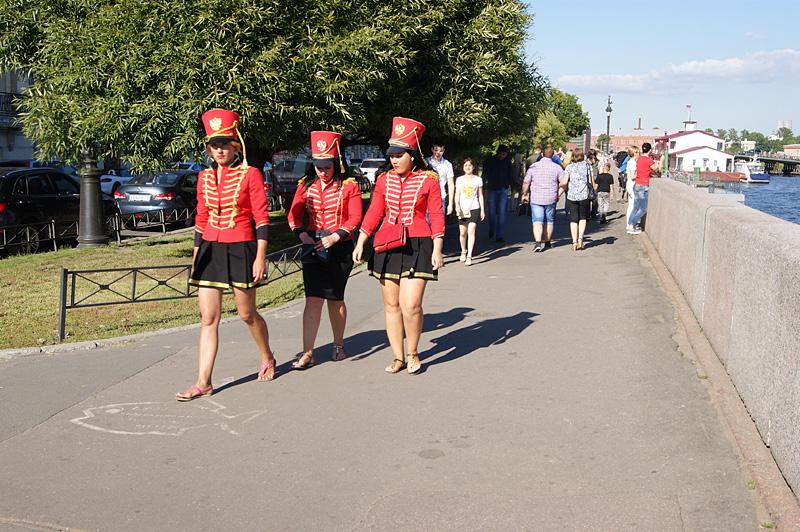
739 269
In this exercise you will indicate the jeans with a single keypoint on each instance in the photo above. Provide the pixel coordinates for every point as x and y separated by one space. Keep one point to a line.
543 213
640 194
498 203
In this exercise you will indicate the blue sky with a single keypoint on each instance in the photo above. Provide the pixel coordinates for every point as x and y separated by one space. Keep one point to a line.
736 62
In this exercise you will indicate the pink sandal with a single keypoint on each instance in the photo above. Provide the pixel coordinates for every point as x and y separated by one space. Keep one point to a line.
265 367
193 392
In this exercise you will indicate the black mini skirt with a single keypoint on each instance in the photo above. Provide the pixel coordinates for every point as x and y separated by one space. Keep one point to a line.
225 265
412 260
328 279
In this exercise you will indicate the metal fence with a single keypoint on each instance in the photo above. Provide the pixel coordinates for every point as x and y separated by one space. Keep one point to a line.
121 286
30 238
713 183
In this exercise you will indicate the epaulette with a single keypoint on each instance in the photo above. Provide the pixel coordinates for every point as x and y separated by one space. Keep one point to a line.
433 175
301 182
350 180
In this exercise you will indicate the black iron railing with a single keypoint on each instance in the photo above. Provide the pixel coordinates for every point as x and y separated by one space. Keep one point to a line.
30 238
121 286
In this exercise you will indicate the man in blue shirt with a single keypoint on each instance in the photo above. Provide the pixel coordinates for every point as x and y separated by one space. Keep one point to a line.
497 176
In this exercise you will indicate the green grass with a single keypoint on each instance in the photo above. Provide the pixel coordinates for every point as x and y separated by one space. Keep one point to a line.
30 287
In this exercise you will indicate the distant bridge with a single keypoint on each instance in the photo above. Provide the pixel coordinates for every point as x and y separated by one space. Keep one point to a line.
774 163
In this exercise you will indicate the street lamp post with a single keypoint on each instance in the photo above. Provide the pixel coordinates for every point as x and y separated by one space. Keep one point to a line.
91 226
608 124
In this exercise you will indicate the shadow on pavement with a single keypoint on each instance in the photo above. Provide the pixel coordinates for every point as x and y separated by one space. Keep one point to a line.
367 343
486 333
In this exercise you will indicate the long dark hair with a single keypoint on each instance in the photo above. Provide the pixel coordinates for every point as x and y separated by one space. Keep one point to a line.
419 162
311 173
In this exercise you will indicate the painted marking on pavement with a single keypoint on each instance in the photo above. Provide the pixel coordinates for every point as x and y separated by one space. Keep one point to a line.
163 419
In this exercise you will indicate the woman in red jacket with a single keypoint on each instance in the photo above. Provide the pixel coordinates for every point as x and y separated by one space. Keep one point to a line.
408 249
227 252
332 205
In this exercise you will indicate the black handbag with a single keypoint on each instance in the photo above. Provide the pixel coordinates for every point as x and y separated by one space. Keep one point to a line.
524 209
592 191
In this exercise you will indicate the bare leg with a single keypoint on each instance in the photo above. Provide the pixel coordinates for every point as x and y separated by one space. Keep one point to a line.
470 238
549 233
537 232
246 305
462 238
210 303
394 318
411 292
573 229
581 231
337 311
312 313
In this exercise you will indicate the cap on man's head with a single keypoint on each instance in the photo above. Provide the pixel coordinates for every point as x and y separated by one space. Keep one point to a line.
502 148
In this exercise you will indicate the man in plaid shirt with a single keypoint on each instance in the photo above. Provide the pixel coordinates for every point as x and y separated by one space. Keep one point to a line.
540 189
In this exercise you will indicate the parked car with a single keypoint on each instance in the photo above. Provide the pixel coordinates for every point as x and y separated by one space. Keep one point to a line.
370 167
285 175
193 166
30 196
113 179
176 189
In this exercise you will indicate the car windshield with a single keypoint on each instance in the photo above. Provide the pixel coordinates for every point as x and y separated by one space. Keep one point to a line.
164 178
372 164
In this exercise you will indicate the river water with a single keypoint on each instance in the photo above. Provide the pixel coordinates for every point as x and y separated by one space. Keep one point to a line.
780 198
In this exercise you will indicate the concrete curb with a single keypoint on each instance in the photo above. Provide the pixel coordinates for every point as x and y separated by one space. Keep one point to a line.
756 460
10 354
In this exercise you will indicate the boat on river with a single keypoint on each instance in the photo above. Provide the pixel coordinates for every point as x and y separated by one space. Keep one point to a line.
751 172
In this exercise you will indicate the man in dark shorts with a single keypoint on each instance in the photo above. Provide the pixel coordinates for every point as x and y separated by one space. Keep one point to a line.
605 191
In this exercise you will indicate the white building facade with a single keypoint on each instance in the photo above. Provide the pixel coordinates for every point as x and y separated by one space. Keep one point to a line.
691 148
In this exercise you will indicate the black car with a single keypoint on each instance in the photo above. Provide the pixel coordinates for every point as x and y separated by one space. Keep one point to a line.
174 189
39 195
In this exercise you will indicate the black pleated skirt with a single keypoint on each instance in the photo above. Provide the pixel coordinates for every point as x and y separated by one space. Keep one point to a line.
328 279
225 265
412 260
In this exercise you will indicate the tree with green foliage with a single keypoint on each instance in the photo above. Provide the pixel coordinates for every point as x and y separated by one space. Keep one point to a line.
785 134
132 77
567 109
603 141
550 130
722 133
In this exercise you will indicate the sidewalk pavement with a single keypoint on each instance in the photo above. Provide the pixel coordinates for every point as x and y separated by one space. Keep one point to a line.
555 396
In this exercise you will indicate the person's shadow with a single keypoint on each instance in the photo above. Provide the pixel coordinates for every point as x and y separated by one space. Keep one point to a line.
367 343
469 339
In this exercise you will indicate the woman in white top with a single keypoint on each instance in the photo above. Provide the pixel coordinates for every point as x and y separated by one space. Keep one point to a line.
469 208
630 172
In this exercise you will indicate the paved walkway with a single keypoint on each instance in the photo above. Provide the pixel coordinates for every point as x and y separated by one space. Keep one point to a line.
555 397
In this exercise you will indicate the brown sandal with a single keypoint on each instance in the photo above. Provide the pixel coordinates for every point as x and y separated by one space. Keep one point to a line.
413 369
304 361
396 366
338 353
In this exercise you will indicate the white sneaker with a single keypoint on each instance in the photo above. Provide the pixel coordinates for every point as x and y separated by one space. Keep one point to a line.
468 261
463 257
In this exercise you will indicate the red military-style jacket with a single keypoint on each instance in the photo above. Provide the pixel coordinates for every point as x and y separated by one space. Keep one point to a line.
335 207
407 201
226 208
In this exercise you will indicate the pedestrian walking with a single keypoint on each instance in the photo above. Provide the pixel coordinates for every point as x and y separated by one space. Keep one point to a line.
577 180
408 249
541 189
497 177
444 168
604 183
230 245
594 162
630 180
470 209
332 204
645 169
